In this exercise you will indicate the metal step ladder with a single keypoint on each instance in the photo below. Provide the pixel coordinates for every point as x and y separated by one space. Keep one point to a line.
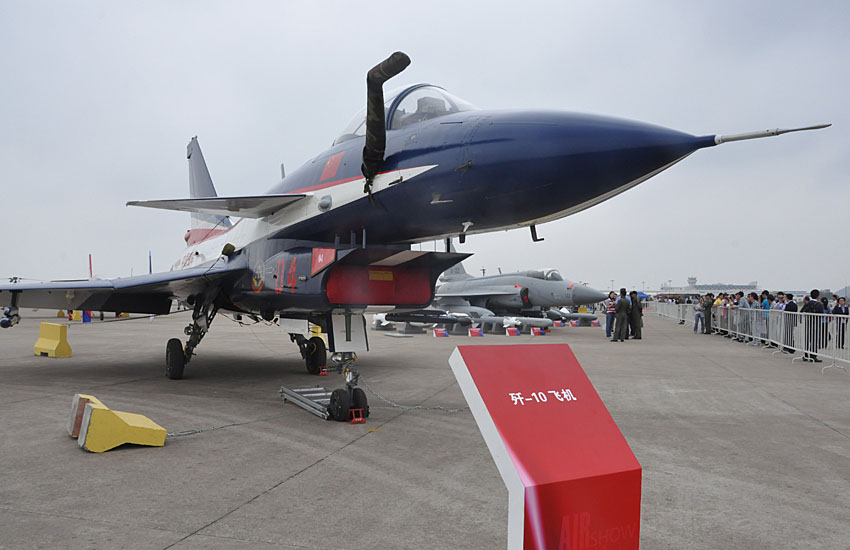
314 400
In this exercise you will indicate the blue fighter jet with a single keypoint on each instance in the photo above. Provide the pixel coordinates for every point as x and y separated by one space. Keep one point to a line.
332 240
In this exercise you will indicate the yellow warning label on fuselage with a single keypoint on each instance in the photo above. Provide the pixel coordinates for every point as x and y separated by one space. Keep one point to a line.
380 275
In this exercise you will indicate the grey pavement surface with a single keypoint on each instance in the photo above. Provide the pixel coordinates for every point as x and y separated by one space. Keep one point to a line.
739 449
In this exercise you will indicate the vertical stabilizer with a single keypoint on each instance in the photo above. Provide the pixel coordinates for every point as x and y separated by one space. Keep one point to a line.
201 186
456 272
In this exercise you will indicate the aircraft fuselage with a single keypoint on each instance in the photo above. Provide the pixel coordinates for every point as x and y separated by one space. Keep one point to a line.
477 171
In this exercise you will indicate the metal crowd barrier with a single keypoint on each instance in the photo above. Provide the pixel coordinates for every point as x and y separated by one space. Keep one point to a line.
822 336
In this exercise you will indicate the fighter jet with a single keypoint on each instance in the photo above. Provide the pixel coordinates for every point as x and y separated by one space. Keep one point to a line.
527 294
332 240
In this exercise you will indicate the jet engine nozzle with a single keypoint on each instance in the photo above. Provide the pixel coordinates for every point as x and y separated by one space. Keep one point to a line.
376 124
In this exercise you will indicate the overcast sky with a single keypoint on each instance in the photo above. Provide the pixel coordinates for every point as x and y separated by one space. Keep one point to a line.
99 100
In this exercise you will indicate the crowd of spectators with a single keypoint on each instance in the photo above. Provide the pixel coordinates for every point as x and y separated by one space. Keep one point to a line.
816 332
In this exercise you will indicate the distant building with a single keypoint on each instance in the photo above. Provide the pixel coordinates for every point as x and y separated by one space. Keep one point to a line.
693 289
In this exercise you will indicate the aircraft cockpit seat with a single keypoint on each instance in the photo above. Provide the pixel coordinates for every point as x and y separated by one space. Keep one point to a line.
426 109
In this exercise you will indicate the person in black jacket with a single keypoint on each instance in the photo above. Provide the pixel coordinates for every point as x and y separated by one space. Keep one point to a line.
635 315
708 304
841 324
814 327
790 323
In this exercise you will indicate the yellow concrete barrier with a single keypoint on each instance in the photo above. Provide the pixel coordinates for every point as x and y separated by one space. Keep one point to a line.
77 316
100 429
52 341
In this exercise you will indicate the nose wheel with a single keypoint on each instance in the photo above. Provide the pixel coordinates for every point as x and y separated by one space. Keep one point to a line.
359 401
339 405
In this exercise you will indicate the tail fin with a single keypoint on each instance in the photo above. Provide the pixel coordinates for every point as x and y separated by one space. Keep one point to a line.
201 186
456 272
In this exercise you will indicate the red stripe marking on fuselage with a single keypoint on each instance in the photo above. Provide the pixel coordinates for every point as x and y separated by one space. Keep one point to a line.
195 236
324 185
334 183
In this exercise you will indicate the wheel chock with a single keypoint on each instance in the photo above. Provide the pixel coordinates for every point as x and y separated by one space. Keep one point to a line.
52 341
355 416
78 407
77 316
100 429
323 371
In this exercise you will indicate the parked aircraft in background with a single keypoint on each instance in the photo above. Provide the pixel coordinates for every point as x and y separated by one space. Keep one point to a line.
332 240
528 294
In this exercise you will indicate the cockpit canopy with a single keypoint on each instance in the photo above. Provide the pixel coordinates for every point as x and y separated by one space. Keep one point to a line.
553 275
545 274
409 105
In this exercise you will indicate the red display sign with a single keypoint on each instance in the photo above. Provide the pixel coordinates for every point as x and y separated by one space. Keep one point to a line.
573 482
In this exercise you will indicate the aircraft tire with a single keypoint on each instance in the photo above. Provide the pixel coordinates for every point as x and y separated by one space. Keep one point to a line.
359 401
317 355
339 405
175 360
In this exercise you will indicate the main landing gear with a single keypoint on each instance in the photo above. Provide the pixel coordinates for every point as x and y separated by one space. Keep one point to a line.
313 350
176 355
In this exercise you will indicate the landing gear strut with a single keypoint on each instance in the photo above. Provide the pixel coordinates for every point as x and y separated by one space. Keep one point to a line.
176 355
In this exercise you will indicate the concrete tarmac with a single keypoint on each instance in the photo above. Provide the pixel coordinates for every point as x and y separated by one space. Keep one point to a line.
739 449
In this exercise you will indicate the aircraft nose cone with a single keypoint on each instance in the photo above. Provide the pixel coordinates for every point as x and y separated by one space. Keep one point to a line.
585 295
575 161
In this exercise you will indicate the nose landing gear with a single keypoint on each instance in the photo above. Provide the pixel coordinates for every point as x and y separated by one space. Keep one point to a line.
348 403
